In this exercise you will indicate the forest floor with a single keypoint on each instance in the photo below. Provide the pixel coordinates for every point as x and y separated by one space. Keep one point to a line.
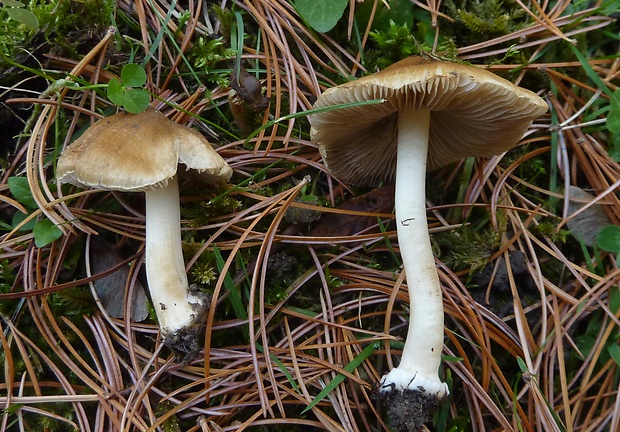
308 304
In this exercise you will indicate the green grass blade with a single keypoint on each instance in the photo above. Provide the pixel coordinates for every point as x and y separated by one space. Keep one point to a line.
283 368
237 37
305 113
233 292
354 364
553 163
591 72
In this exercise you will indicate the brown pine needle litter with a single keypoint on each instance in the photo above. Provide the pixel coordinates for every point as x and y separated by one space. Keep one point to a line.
309 306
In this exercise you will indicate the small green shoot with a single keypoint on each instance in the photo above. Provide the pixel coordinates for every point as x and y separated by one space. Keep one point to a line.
127 92
321 15
522 366
307 195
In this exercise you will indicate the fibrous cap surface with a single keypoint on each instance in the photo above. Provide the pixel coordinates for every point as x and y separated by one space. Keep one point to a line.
136 152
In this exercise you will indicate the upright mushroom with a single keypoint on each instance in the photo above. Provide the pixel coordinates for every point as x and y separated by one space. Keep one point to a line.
432 113
141 152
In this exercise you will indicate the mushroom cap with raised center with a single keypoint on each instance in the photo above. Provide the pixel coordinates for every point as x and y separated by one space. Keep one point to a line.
137 152
473 113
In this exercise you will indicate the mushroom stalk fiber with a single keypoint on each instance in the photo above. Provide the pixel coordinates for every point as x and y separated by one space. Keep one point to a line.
176 307
421 356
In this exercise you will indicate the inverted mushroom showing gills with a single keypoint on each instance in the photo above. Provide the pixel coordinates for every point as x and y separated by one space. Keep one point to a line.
432 113
141 152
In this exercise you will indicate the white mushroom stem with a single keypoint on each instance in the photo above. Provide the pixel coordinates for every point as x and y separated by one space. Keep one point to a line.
419 365
177 309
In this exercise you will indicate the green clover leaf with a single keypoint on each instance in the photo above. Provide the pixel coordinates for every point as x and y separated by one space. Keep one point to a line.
608 239
124 92
45 232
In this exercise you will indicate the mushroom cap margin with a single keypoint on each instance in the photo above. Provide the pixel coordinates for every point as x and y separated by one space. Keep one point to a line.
473 113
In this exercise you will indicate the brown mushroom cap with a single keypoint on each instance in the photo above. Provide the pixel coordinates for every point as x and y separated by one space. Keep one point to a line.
137 152
473 113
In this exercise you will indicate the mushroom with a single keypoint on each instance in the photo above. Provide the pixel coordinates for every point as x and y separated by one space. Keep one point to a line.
141 152
432 113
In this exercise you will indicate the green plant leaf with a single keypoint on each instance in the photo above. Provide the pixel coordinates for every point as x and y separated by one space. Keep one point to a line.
133 75
614 299
24 16
613 147
18 217
321 15
13 3
136 100
452 359
522 365
585 344
615 99
614 352
45 232
20 189
608 239
610 7
613 120
115 92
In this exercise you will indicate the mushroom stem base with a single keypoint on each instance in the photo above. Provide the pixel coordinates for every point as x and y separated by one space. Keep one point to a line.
408 410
